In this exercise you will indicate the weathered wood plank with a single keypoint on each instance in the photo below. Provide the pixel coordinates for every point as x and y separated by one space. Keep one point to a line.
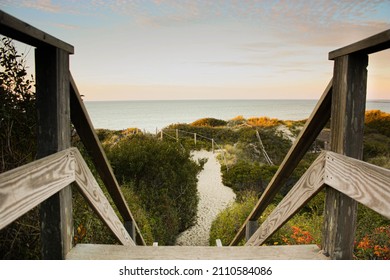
25 187
375 43
23 32
347 124
309 133
117 252
84 127
307 187
364 182
96 198
52 92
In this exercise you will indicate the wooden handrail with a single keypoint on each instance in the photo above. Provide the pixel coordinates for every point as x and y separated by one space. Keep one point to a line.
84 128
25 187
309 133
375 43
25 33
364 182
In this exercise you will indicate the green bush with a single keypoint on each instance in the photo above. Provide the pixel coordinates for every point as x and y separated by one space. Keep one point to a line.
21 239
228 222
164 177
248 176
209 122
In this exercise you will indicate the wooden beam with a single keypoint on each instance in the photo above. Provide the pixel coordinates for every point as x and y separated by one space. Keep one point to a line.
376 43
25 187
366 183
95 197
117 252
347 124
84 128
52 91
309 133
23 32
307 187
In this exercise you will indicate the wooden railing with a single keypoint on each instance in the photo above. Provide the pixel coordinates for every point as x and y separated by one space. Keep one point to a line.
347 180
364 182
26 187
59 102
47 180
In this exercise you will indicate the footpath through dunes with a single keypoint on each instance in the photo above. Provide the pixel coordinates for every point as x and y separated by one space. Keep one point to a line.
213 197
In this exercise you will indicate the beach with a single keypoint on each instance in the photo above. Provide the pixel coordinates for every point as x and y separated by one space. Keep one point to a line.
213 198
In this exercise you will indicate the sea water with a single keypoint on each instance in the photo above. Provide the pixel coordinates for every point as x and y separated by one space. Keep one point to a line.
157 114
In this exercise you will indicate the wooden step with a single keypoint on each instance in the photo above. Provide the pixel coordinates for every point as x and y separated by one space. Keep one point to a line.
118 252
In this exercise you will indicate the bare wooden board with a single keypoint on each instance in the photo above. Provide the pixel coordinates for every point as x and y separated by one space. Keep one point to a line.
376 43
24 188
96 198
116 252
366 183
19 30
307 186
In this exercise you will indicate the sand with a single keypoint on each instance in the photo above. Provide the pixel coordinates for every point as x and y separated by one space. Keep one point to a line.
213 197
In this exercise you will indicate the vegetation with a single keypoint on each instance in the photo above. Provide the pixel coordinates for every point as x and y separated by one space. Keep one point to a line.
248 177
158 178
20 239
164 177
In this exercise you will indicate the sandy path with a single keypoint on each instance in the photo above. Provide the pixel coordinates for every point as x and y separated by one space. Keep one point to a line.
213 197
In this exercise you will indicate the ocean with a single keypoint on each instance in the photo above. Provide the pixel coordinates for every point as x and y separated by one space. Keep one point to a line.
157 114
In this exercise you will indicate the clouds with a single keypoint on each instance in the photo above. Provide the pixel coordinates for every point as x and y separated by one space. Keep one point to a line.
204 44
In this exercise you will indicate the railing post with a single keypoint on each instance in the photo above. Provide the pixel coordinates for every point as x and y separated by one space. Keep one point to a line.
52 90
250 229
130 227
347 124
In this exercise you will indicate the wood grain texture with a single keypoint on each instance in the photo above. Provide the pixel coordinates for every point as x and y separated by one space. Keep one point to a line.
347 126
309 133
307 187
24 188
364 182
96 198
117 252
375 43
21 31
52 93
85 130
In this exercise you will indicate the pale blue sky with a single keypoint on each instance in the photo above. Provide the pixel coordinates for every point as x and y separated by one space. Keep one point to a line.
208 49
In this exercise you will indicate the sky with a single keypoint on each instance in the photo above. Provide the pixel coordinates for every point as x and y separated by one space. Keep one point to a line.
215 49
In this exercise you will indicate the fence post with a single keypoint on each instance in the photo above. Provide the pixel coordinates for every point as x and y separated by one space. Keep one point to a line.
347 124
53 108
250 229
195 138
130 227
177 134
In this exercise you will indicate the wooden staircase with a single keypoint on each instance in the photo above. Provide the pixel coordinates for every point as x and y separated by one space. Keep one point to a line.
46 181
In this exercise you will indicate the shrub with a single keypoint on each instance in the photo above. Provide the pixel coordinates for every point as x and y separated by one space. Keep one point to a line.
209 122
374 245
165 178
21 239
227 223
263 122
248 176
